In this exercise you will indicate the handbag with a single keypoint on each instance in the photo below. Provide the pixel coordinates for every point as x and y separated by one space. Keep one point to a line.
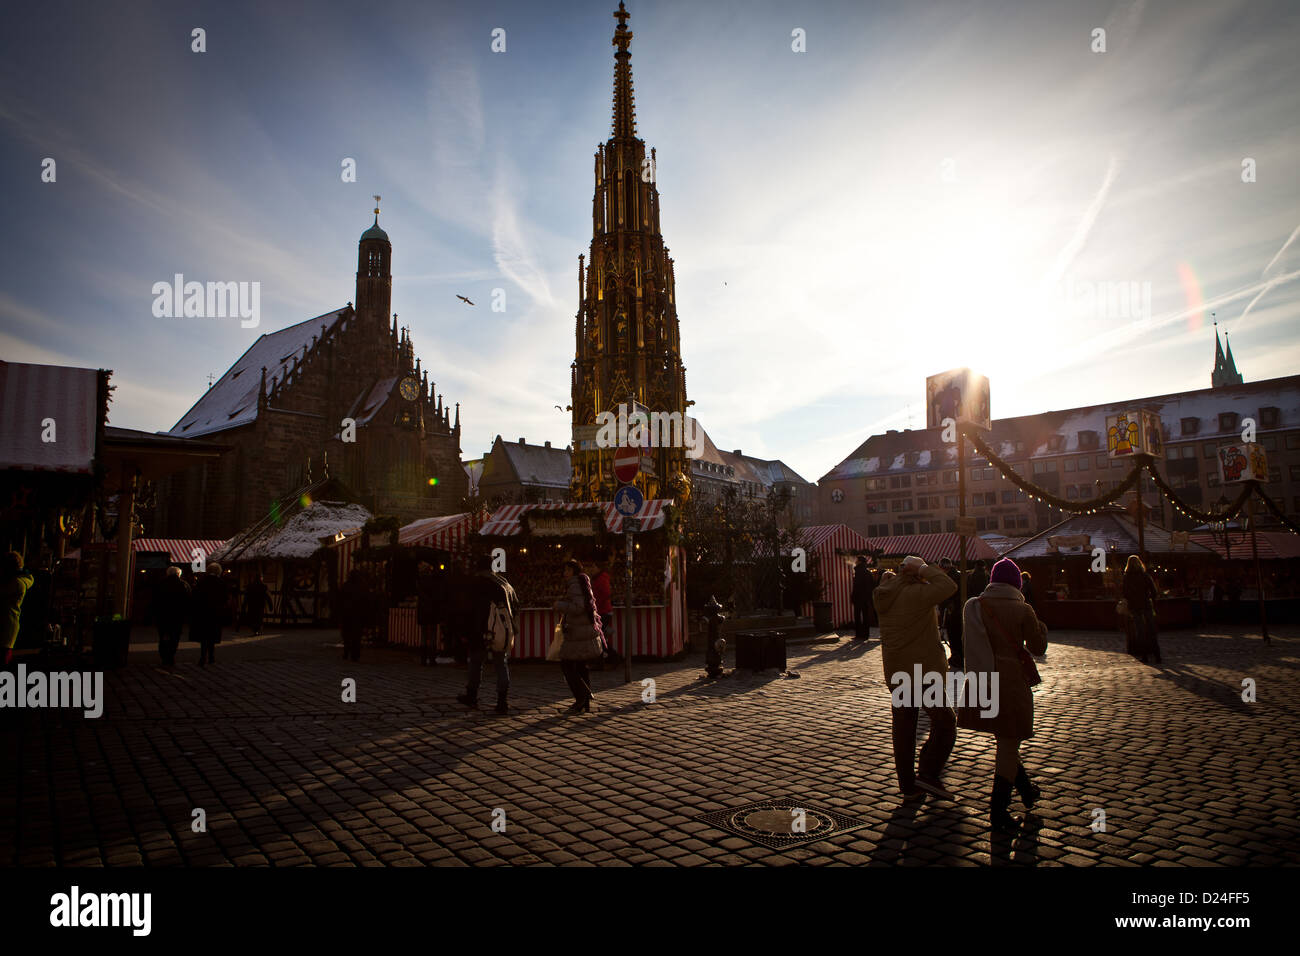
1027 666
557 640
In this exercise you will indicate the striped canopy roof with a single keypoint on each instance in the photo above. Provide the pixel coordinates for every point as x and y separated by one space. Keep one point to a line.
1273 545
505 520
180 550
932 547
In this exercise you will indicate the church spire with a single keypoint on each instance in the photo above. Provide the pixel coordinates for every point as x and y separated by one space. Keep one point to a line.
1225 368
624 125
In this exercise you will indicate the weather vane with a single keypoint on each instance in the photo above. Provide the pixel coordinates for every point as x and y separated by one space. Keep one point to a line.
376 207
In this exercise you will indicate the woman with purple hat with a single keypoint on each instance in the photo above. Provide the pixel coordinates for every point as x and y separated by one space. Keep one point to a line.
1000 631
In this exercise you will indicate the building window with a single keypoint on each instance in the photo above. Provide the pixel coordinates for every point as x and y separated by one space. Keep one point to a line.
1212 479
1101 461
1043 467
1269 442
1189 451
900 481
1069 464
1071 491
1209 450
1227 421
981 524
949 477
1119 462
1268 417
1190 426
1022 521
1275 475
908 528
951 524
1083 463
950 501
1008 497
1293 440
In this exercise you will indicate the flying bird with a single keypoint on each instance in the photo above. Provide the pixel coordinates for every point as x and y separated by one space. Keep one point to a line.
465 300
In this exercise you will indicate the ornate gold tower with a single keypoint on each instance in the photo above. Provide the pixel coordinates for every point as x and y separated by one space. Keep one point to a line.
628 342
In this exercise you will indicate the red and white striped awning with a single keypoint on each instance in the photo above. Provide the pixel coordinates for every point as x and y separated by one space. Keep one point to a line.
505 520
445 531
932 547
180 550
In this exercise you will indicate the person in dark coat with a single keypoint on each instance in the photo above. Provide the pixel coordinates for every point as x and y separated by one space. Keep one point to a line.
999 626
354 612
583 640
951 611
171 605
486 589
864 584
257 599
1140 593
1027 587
458 614
210 604
430 592
978 580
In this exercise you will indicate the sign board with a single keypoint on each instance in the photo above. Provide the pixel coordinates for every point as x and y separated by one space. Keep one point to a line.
1132 433
958 394
1074 543
584 437
627 463
1243 461
585 522
966 525
628 501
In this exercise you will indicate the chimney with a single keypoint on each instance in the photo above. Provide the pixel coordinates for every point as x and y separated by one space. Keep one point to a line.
521 441
548 444
736 452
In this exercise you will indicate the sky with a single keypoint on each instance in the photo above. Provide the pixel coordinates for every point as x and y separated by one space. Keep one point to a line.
924 186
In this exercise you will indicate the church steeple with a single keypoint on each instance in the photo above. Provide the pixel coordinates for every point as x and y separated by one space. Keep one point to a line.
627 335
624 124
1225 368
374 277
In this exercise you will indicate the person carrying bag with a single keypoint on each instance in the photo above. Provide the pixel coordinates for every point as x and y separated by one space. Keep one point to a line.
582 638
1000 631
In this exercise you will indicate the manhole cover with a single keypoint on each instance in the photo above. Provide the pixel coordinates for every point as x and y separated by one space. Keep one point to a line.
780 824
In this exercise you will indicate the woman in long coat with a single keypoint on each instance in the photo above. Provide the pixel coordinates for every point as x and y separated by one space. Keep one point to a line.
998 627
582 639
1140 594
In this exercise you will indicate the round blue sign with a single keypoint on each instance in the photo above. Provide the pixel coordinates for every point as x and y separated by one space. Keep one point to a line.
628 501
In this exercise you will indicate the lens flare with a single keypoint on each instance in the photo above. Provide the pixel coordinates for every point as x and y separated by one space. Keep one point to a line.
1192 294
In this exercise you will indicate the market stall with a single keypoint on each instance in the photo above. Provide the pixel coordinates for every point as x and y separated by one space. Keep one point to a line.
536 539
289 550
837 547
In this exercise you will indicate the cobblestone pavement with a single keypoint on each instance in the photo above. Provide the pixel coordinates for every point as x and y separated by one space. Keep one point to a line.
287 773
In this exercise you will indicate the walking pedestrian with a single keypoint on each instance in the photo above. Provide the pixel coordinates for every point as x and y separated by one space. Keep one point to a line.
488 590
354 612
601 588
171 605
429 594
14 582
257 600
210 604
1026 587
907 603
951 610
1140 593
863 587
1001 628
582 639
978 580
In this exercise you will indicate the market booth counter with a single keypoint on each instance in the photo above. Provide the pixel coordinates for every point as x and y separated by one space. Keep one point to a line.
538 538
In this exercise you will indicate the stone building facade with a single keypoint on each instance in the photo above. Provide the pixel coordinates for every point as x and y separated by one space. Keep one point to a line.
342 394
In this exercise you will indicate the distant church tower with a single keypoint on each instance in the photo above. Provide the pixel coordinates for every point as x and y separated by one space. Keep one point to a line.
375 281
628 342
1225 369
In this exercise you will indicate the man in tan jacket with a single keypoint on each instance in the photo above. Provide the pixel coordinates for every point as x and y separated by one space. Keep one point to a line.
909 636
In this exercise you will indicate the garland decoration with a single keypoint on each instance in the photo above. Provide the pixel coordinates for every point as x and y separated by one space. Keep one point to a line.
1277 511
1204 517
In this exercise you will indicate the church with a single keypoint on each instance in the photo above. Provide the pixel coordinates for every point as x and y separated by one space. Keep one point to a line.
340 395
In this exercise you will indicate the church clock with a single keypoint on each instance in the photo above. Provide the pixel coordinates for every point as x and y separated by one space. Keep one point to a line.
409 388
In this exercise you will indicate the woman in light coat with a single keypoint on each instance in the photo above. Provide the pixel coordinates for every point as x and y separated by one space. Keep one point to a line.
582 639
998 626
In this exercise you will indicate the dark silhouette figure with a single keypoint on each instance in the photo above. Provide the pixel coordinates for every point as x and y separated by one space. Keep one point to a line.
171 606
210 606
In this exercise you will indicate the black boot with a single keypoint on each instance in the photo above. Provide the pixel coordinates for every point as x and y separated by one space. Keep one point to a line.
999 819
501 707
467 700
1028 790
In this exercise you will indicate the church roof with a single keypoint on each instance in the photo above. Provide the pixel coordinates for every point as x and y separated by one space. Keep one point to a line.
374 232
232 400
538 464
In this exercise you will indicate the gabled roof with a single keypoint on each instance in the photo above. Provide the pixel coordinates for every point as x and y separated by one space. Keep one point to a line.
333 510
1104 528
538 464
232 400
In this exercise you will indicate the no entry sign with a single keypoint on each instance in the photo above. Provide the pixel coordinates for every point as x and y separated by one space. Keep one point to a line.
627 462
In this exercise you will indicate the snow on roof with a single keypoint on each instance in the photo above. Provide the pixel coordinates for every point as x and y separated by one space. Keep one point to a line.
299 537
232 400
539 464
